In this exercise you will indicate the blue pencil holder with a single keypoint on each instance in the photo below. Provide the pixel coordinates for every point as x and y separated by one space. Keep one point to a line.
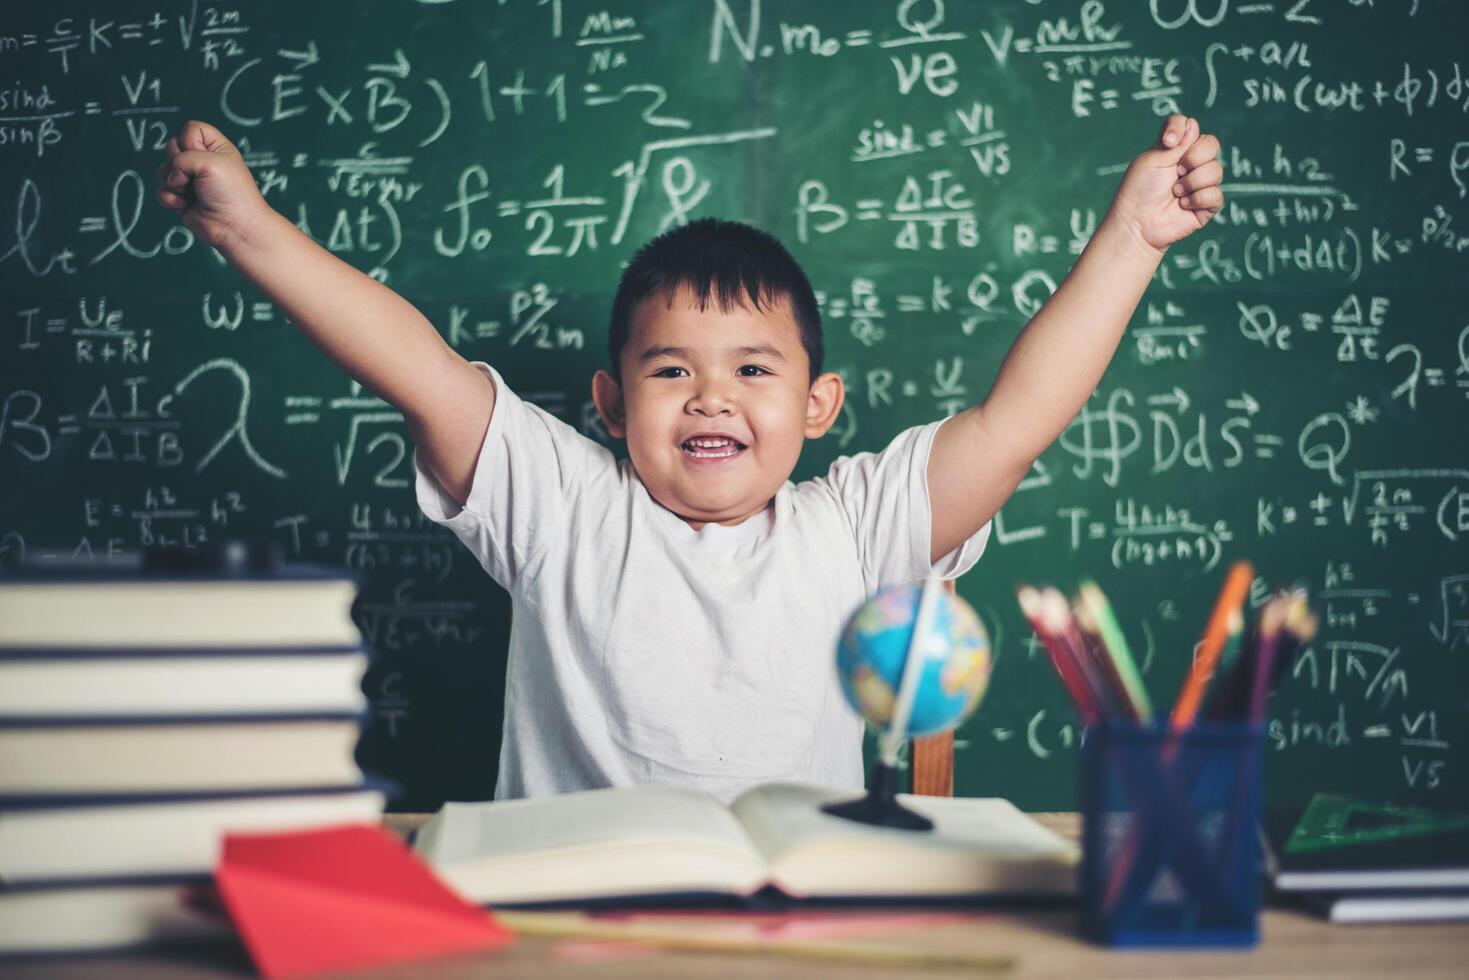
1170 850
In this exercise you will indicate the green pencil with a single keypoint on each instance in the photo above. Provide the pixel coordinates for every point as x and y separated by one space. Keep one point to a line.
1094 604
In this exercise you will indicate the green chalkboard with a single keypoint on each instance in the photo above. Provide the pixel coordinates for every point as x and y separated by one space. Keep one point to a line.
1292 389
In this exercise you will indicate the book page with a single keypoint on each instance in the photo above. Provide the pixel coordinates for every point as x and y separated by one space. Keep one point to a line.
779 816
625 841
977 846
575 819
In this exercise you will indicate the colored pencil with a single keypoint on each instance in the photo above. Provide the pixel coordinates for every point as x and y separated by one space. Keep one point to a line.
1299 630
1112 692
1262 665
1229 700
1032 605
1094 614
1057 614
1272 618
1219 692
1216 635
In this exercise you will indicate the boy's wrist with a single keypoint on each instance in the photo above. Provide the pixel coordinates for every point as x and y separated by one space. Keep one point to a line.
1125 235
257 230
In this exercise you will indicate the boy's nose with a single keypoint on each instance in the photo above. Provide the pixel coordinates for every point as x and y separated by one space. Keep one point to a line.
711 399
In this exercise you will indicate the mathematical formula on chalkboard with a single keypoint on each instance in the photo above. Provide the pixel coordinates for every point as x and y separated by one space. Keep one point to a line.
1294 388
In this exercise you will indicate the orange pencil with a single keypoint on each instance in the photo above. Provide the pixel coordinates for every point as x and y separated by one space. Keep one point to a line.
1231 598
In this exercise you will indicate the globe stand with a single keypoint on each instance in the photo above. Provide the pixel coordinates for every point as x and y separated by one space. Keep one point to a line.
880 806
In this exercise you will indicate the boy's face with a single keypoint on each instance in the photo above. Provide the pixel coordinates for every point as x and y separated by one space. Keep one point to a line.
736 380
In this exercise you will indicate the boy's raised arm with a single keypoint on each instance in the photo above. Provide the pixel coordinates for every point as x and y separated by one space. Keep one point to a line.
980 456
370 332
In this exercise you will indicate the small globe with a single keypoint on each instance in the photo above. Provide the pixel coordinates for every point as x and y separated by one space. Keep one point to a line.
956 659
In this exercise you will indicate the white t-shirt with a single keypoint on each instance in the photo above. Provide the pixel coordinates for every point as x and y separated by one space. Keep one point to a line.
643 651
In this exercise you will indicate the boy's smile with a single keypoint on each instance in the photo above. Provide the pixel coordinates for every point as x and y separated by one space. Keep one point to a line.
715 404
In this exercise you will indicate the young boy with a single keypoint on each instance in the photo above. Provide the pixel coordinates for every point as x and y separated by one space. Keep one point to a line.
675 614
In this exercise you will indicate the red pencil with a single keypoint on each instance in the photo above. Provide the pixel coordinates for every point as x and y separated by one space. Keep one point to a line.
1111 689
1032 605
1058 618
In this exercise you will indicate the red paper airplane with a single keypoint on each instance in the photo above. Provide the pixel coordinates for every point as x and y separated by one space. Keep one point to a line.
341 898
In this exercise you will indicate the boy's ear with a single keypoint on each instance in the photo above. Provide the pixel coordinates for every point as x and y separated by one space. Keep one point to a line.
824 403
607 394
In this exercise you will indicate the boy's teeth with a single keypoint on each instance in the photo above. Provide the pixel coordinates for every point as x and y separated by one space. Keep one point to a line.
711 447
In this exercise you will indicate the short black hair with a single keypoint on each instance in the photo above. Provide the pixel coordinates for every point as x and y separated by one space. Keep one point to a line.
727 261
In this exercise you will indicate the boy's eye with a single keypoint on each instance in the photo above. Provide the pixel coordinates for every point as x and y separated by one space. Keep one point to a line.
754 367
664 372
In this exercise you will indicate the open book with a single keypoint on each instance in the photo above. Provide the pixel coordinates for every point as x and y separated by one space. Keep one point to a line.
647 841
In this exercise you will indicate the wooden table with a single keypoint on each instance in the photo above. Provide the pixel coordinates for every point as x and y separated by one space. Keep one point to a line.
1041 942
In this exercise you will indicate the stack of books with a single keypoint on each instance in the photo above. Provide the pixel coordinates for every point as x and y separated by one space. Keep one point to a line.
144 714
1364 860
